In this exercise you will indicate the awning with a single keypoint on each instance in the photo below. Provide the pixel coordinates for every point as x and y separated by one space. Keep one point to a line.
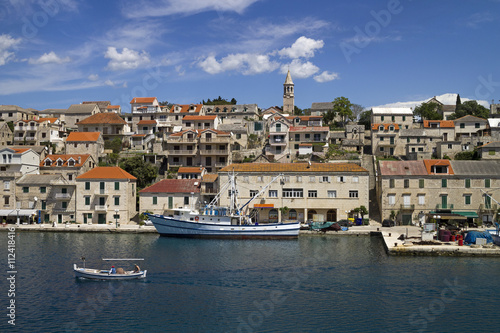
13 212
263 206
471 215
447 216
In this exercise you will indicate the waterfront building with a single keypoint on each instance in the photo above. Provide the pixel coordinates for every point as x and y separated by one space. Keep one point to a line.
412 189
329 191
104 195
170 194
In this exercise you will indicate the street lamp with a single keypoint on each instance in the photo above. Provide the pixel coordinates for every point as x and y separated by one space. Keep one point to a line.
116 217
17 209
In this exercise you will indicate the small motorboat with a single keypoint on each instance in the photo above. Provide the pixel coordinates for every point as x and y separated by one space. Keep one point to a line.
109 274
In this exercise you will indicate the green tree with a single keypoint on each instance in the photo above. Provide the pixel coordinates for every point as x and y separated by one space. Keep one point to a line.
429 111
297 111
329 117
11 125
342 107
365 118
357 110
471 108
115 145
219 101
467 155
145 172
458 102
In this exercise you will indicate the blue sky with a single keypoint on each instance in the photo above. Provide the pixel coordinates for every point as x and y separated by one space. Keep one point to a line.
54 53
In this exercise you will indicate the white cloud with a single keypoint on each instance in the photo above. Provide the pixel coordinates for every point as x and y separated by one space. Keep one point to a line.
477 18
303 47
326 77
134 9
246 63
127 59
109 83
48 58
93 77
299 69
6 44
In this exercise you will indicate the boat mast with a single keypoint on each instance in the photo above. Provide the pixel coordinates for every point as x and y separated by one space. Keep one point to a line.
260 192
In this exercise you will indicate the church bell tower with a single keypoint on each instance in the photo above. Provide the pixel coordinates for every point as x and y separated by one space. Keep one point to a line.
288 95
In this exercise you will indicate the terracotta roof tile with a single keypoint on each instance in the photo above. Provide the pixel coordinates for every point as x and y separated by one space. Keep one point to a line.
190 170
106 173
83 136
65 158
402 168
103 118
430 163
294 167
185 108
193 118
210 178
142 100
147 122
442 123
174 186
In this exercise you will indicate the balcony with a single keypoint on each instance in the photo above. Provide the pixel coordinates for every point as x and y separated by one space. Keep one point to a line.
220 164
25 128
60 209
213 152
181 140
182 152
63 196
30 138
101 208
447 206
216 140
208 191
277 142
407 207
488 208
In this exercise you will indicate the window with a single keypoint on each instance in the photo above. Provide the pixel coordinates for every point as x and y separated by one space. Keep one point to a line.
467 183
70 176
259 179
404 118
308 136
297 137
292 214
382 118
467 199
43 189
117 186
355 179
312 179
64 204
6 185
324 179
44 204
332 193
273 193
421 199
353 194
186 200
245 179
462 125
392 199
406 183
393 118
6 200
87 186
340 179
299 179
312 194
155 200
117 201
87 200
392 183
476 125
421 183
253 193
487 183
293 193
444 182
381 128
26 189
491 152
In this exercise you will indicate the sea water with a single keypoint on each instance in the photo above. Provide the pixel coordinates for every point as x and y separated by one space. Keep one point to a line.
313 284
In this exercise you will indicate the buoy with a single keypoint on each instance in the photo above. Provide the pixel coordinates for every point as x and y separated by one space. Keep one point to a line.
196 218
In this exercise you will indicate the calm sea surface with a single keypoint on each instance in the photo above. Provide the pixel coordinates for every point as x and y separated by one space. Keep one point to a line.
314 284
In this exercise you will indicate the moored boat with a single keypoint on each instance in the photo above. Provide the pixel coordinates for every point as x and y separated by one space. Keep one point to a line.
221 222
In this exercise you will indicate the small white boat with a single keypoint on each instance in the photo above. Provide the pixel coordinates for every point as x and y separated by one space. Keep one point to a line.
495 234
104 274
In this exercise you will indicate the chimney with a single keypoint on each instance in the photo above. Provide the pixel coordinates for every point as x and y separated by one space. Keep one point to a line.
79 159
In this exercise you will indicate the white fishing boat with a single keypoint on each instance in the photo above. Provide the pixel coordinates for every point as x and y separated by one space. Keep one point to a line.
221 222
495 234
109 274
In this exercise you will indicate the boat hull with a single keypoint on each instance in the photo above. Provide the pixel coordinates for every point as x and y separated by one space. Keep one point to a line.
495 236
96 274
172 227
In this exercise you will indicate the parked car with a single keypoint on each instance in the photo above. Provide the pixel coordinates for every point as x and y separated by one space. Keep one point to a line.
344 223
388 223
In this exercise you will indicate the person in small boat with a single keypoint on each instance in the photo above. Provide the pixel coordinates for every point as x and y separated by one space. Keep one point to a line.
112 270
137 269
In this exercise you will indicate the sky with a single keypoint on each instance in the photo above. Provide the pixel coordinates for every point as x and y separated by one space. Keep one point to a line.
54 53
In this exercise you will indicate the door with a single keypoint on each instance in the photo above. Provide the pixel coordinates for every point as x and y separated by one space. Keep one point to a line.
84 218
208 161
444 201
59 218
406 219
189 161
101 218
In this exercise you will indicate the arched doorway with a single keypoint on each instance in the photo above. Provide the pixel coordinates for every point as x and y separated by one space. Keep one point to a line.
331 215
292 214
310 214
273 216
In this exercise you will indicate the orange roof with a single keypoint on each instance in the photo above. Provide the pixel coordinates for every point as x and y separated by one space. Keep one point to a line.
430 163
65 158
190 170
103 118
83 136
442 123
263 206
51 120
147 122
191 118
142 100
185 107
20 150
138 135
386 127
209 178
113 107
219 133
293 167
107 173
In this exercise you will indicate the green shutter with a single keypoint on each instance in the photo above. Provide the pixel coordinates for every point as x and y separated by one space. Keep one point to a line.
467 183
117 186
487 183
421 183
444 182
155 200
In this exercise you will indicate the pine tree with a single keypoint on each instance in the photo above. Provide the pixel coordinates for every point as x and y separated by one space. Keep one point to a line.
459 101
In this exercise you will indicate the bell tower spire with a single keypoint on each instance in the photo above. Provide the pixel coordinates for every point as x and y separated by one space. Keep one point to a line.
288 94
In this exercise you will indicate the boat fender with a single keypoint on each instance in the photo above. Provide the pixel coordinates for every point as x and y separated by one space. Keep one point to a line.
196 218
